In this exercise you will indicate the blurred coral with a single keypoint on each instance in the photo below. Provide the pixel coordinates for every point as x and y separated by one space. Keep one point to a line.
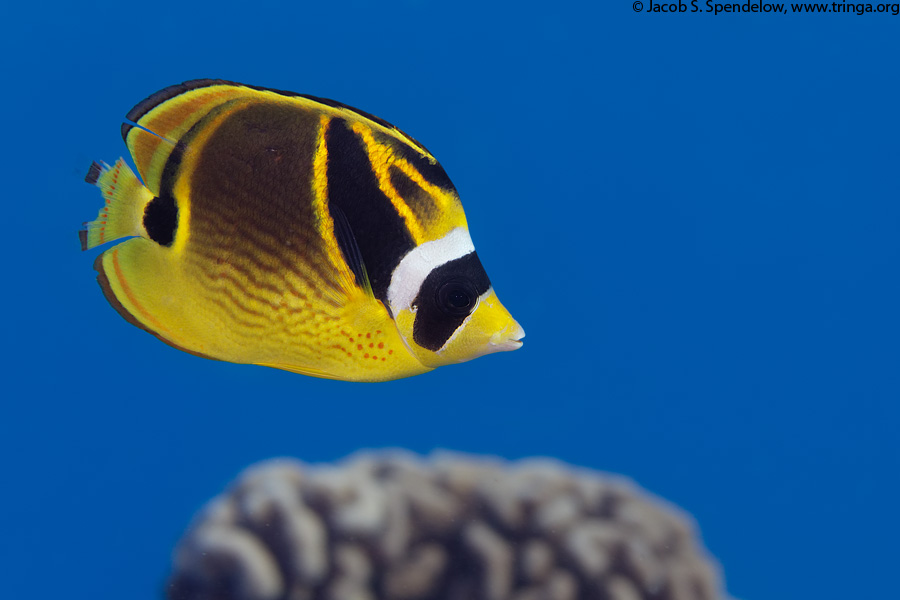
392 526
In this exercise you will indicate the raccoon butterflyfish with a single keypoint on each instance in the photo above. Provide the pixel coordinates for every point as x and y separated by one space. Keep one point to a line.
294 232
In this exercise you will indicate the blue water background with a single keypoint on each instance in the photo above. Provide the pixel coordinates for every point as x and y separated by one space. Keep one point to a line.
694 217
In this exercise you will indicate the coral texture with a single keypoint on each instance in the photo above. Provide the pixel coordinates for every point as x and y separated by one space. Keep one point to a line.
391 526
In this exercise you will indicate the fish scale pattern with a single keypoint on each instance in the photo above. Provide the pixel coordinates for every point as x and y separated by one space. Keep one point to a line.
393 526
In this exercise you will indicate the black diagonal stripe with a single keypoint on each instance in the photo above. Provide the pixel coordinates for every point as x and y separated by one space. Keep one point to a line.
417 199
378 229
433 172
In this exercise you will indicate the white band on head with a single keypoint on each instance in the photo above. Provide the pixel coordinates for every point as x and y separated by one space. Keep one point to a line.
421 260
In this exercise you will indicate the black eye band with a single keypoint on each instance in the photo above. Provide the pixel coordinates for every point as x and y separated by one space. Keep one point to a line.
447 296
457 297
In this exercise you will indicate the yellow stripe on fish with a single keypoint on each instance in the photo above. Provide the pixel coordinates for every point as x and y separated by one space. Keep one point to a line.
290 231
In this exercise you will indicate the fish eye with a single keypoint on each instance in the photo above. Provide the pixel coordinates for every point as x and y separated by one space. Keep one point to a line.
456 297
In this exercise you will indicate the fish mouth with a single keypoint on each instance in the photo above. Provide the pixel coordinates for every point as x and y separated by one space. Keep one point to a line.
510 341
516 341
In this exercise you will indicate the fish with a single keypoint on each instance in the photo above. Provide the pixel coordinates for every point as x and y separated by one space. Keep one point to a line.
280 229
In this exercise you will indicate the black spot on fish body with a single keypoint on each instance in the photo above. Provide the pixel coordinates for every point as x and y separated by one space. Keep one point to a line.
161 219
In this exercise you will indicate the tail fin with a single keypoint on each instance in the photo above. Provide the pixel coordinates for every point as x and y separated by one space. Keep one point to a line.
123 211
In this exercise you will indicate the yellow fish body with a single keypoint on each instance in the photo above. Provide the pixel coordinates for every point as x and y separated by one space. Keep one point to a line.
293 232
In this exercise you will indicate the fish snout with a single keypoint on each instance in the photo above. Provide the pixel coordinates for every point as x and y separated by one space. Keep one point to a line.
510 338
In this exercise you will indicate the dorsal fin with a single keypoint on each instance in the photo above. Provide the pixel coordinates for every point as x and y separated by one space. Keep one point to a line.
148 104
158 123
161 121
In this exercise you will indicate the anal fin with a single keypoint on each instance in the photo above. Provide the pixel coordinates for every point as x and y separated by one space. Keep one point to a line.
141 281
